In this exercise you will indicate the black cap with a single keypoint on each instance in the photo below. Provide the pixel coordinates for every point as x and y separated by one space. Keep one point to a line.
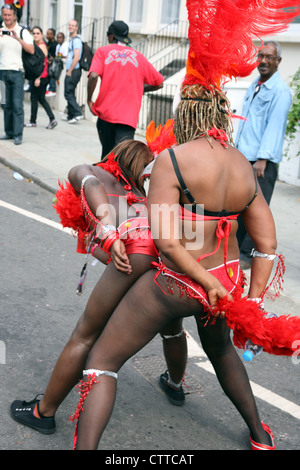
120 31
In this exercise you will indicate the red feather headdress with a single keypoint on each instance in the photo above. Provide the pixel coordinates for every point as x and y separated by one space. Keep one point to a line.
221 34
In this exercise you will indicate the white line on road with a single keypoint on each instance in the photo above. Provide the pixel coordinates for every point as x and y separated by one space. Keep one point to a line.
36 217
260 392
194 349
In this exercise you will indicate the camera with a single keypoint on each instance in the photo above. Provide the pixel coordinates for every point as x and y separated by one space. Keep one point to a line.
8 33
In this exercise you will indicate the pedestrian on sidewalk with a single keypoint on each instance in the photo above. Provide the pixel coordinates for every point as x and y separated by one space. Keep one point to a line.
38 90
51 46
73 74
12 72
62 46
125 75
260 138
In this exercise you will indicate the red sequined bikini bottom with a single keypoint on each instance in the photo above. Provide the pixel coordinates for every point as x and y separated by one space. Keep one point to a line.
229 275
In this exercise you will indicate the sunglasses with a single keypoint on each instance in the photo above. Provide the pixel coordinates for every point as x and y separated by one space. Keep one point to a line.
8 6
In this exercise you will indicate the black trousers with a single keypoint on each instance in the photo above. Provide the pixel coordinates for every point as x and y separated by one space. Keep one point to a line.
38 95
71 83
111 134
267 185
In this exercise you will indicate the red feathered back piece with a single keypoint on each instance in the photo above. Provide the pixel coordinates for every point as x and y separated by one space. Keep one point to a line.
68 207
221 34
161 137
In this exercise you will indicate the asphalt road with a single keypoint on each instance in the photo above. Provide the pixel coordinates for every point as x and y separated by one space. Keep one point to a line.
39 274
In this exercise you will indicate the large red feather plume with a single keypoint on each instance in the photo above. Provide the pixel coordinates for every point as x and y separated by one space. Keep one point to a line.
221 34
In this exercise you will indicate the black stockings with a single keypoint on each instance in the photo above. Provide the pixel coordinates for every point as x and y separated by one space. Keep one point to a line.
144 312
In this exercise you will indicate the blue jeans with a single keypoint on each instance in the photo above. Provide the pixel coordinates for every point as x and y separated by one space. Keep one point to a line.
14 103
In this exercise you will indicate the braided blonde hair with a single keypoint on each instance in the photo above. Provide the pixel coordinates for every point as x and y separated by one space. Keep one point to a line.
199 110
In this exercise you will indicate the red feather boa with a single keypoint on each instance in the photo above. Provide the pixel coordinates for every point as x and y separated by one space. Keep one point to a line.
68 207
277 335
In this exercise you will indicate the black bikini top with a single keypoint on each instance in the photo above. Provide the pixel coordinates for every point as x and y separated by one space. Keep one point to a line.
195 207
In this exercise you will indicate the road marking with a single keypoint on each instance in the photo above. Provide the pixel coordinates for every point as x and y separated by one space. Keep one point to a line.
260 392
36 217
194 349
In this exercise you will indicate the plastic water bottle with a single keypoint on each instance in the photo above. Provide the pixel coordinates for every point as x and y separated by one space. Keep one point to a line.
253 350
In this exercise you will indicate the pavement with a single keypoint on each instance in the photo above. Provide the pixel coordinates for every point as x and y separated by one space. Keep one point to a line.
46 156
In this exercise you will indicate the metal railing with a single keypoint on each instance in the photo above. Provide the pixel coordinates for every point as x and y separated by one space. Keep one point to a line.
156 106
176 31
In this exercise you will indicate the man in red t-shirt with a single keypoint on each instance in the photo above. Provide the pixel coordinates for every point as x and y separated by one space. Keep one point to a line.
125 75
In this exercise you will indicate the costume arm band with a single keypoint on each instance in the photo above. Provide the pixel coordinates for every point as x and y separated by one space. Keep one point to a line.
106 236
86 178
257 254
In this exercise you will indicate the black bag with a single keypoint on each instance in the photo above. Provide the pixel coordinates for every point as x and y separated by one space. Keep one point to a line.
55 68
86 56
33 64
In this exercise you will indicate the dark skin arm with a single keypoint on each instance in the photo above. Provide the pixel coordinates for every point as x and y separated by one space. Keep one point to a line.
148 88
260 167
98 202
92 83
259 222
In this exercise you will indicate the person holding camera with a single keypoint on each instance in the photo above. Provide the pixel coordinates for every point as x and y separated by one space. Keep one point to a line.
12 72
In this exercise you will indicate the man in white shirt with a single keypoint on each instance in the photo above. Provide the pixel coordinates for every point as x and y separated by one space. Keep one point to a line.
62 46
12 72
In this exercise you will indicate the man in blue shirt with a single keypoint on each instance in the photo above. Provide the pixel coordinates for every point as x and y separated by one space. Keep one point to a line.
73 74
260 138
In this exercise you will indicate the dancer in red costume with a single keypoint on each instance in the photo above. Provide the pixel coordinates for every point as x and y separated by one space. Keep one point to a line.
205 171
115 185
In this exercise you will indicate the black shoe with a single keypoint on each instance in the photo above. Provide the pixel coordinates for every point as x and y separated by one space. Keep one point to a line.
17 141
22 412
176 397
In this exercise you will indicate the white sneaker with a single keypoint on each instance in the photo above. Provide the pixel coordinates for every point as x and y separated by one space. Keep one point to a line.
79 118
50 93
72 121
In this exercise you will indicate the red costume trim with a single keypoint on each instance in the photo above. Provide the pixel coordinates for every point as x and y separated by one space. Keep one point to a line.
229 275
113 167
84 388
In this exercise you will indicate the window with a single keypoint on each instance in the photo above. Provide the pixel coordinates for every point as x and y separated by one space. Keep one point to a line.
53 14
78 13
170 11
136 11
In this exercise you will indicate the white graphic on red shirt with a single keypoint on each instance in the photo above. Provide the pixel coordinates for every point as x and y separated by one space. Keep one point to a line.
124 56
